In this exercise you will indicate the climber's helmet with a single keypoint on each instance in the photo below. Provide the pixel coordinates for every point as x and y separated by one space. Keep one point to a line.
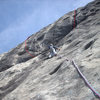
51 44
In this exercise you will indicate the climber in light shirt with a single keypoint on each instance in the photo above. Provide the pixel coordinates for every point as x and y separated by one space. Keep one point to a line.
52 50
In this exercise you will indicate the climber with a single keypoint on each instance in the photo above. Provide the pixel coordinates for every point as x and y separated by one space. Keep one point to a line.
52 51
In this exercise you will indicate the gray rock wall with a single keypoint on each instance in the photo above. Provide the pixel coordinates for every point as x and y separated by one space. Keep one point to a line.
25 78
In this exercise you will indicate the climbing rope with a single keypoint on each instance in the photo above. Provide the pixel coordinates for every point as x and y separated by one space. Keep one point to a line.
85 80
74 25
26 48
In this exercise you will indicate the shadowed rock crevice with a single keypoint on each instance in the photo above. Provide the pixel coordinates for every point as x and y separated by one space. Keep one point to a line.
56 69
4 68
88 45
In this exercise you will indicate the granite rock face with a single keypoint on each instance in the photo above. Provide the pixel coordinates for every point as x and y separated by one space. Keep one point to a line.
25 78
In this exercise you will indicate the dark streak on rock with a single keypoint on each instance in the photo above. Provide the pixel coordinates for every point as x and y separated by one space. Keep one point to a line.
56 69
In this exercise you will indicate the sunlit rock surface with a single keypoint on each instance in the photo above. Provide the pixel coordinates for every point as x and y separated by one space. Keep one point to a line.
25 78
